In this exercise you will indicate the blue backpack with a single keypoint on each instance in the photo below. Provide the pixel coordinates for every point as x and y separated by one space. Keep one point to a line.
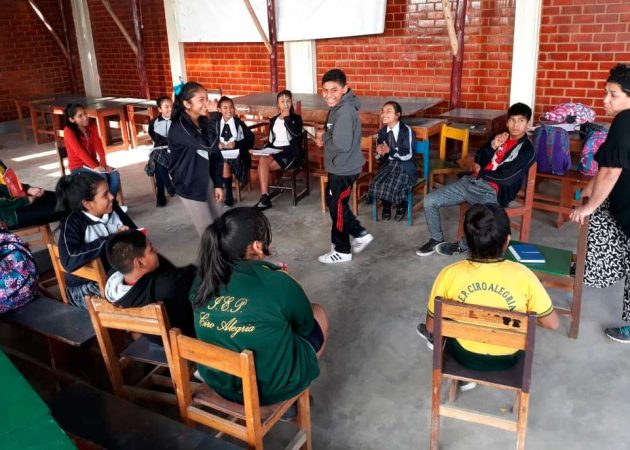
553 151
18 274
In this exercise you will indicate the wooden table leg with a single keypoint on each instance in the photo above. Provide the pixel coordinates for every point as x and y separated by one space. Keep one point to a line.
18 109
132 125
124 130
566 201
35 123
102 129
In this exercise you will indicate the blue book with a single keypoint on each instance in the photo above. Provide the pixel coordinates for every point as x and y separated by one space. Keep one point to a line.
527 253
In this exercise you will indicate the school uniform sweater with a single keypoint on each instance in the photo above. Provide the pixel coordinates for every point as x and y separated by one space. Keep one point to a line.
83 238
511 172
168 284
244 138
294 127
401 142
86 150
158 130
194 158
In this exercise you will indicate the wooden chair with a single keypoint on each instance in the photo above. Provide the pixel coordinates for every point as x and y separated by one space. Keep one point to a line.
490 326
43 233
367 147
299 171
93 271
523 209
150 319
203 405
441 167
564 269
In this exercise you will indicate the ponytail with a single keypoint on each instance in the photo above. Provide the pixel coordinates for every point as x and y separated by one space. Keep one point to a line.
223 244
185 94
73 189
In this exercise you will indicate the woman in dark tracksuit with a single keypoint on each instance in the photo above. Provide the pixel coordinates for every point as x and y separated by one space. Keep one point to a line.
195 168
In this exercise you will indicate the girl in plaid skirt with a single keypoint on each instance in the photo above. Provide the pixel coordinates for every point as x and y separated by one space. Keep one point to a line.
397 171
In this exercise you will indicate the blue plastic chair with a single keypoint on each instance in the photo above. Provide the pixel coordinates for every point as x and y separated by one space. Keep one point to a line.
421 148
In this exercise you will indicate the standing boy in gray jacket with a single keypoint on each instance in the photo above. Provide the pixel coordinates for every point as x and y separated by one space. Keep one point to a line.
343 161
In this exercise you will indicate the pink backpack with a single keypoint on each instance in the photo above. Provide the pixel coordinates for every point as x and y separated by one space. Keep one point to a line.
588 165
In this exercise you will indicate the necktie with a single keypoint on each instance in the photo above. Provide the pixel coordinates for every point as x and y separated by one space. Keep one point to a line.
226 134
391 142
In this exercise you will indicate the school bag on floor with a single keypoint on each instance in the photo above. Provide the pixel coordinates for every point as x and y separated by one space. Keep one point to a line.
570 113
553 151
588 165
18 274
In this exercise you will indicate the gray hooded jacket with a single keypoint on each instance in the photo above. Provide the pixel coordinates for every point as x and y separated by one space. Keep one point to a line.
342 140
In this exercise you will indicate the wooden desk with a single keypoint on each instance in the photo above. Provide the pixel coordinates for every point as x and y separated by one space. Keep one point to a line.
486 123
314 109
24 102
140 111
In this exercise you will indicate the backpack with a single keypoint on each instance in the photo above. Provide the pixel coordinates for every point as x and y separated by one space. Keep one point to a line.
570 113
588 166
18 273
553 151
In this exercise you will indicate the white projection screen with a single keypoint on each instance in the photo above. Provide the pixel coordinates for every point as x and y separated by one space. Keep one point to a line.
297 20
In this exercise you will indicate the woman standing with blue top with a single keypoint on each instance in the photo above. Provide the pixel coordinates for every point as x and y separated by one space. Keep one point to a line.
397 171
608 204
196 169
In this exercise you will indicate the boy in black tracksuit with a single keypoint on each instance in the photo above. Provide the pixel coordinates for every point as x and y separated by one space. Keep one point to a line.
343 161
143 277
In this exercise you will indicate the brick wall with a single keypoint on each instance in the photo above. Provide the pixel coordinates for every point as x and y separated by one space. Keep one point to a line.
580 41
235 68
412 57
31 61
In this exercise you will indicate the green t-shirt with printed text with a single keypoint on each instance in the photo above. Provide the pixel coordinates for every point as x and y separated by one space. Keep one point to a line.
264 310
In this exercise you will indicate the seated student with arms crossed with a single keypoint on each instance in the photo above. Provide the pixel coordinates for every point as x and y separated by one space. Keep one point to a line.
285 133
243 302
487 229
91 217
158 130
497 175
142 276
231 133
397 171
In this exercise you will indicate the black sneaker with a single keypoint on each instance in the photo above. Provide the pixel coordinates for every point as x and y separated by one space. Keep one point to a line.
400 213
428 248
264 202
160 203
424 333
387 214
619 334
449 248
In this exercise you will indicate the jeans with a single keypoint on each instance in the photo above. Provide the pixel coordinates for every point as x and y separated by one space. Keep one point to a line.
468 189
112 178
344 223
162 181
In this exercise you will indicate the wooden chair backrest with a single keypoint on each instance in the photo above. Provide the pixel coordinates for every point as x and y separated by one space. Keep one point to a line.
93 271
530 185
240 365
150 319
367 147
484 324
457 134
43 233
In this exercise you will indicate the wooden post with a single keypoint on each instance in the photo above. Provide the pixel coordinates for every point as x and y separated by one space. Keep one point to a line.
120 26
458 60
259 27
273 55
55 36
142 69
73 81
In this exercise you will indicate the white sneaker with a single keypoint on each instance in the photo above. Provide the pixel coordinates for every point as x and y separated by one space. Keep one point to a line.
359 243
333 257
124 208
467 386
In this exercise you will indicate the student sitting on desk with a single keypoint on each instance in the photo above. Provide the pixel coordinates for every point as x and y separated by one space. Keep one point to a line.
497 175
160 156
285 133
397 171
85 149
487 229
232 133
91 218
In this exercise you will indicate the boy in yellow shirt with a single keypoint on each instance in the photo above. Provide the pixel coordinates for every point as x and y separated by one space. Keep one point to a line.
487 279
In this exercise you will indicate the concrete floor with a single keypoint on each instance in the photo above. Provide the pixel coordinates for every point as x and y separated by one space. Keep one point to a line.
374 391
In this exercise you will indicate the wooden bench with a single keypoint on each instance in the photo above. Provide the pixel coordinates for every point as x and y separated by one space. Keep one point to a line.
58 323
113 423
570 182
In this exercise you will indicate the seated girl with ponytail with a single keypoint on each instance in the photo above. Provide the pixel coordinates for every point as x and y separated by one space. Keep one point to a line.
91 217
242 302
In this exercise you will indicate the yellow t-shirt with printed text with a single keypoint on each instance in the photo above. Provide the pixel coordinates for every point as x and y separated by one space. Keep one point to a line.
502 284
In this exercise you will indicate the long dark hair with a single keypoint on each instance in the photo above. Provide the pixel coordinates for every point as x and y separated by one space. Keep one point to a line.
73 189
286 93
187 92
225 242
620 74
69 113
486 228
